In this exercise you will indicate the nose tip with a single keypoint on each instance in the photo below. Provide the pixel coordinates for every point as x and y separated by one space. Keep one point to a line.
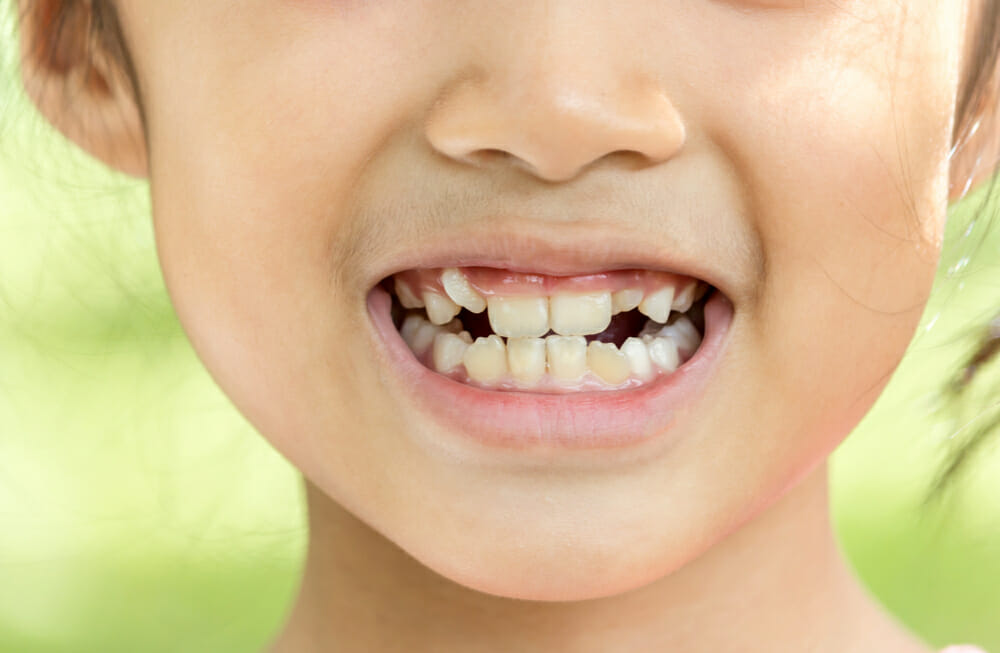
554 130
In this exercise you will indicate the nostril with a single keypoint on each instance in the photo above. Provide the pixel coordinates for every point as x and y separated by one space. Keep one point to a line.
489 156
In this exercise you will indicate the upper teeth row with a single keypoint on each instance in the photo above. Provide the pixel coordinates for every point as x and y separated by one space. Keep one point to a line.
567 314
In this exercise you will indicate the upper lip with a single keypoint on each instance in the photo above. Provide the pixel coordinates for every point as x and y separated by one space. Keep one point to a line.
577 248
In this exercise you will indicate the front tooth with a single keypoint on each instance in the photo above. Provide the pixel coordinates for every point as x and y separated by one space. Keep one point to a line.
580 315
518 317
656 306
461 291
449 350
526 359
685 298
684 334
638 358
567 356
418 333
406 296
486 359
623 301
440 309
663 352
607 362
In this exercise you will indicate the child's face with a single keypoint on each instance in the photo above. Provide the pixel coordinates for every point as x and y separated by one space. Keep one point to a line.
791 153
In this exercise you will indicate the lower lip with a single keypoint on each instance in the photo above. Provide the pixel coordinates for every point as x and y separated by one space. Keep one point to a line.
525 421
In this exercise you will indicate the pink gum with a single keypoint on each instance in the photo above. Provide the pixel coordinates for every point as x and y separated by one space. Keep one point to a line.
493 281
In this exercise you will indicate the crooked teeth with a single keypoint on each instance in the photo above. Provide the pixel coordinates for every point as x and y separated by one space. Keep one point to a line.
461 291
518 317
607 362
580 314
526 359
623 301
567 357
637 355
406 296
449 350
486 359
440 309
656 306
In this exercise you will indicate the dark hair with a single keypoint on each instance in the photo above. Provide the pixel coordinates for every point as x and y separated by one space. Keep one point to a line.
74 30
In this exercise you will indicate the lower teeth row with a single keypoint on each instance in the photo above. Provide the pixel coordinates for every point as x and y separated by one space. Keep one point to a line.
557 363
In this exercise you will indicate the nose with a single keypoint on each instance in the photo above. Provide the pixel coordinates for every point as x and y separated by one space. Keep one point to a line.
556 108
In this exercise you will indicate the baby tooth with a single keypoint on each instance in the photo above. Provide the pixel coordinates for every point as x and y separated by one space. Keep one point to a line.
580 315
607 362
625 300
518 317
526 359
440 309
567 356
449 350
663 352
684 335
410 326
486 359
406 296
657 305
685 298
418 333
461 291
638 358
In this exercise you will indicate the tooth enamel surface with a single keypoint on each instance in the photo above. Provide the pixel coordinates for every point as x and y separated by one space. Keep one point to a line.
663 352
461 292
418 333
580 314
567 357
406 296
518 317
625 300
486 359
683 333
607 362
449 350
685 298
440 309
656 306
526 359
638 358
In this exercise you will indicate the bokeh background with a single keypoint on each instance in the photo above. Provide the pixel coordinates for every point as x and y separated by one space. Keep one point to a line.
139 511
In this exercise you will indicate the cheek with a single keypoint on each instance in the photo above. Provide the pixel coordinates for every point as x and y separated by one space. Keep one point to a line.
252 220
849 174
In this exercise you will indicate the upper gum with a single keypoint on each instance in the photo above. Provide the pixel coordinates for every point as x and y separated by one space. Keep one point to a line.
492 281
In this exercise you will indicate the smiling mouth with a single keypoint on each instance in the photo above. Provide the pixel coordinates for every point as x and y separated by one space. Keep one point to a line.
500 330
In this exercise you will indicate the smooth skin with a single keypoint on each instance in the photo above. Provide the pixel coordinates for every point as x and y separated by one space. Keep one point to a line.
796 148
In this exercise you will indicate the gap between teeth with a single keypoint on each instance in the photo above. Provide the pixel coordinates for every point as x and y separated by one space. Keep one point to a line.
567 314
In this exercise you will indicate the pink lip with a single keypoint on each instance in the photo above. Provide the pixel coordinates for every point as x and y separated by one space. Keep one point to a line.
524 421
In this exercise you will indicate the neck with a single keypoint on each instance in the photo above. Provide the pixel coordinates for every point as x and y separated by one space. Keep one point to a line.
778 583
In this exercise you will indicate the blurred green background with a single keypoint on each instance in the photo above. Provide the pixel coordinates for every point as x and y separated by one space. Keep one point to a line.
139 512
